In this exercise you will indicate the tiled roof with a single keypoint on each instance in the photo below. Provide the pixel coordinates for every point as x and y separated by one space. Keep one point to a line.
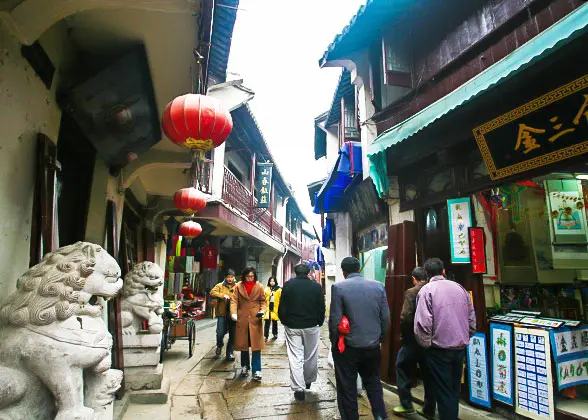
225 15
344 87
364 28
244 120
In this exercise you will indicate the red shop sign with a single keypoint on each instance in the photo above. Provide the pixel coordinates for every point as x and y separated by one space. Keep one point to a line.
477 249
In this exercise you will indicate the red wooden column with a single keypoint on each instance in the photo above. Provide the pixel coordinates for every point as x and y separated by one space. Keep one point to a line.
272 198
252 186
401 260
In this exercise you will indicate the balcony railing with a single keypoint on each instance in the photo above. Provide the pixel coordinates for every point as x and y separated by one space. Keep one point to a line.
235 193
239 197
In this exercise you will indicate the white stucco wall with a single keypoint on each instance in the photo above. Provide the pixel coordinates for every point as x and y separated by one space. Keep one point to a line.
26 108
343 241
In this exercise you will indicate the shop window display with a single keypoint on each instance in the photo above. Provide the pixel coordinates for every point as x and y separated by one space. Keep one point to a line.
542 248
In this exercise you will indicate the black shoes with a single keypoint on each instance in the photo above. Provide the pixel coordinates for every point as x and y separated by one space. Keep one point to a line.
299 395
308 386
230 358
275 337
218 351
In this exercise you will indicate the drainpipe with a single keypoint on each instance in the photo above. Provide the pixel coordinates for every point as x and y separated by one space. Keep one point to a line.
205 39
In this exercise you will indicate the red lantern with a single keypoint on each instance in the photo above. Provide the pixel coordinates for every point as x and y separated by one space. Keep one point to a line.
189 200
197 121
190 229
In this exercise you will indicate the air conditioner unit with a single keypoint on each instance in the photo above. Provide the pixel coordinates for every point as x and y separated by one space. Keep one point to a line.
116 109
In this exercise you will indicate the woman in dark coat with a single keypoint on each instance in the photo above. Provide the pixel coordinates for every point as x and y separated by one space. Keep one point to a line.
247 309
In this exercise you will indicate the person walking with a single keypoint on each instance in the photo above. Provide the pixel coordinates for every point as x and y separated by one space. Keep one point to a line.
302 311
365 305
272 301
411 353
223 292
444 322
247 310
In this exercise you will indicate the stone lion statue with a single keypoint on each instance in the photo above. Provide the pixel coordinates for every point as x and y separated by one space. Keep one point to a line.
54 344
142 298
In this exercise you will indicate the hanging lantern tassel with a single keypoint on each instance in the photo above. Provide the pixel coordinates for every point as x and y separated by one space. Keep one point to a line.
190 229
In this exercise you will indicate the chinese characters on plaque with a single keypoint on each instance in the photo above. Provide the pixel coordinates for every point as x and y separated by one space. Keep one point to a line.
570 351
460 219
263 184
478 370
477 250
501 344
533 374
545 130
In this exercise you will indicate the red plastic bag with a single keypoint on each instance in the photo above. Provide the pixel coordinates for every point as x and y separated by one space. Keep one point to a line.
343 329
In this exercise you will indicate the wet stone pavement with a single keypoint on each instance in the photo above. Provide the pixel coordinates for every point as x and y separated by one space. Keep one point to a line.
223 394
205 387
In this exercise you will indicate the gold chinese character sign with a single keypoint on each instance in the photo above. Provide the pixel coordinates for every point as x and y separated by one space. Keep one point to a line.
546 130
263 184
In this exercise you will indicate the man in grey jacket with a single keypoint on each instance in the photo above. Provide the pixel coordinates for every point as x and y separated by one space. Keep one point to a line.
365 304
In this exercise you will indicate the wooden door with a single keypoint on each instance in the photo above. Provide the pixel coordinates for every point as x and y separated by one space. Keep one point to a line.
401 260
43 229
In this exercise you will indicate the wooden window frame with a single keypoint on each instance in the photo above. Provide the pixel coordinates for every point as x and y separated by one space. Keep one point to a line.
393 77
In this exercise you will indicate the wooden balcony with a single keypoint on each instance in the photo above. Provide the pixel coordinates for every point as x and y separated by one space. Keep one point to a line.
236 195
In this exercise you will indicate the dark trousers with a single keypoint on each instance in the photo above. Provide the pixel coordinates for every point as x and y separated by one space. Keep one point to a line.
445 369
409 355
225 324
348 364
266 327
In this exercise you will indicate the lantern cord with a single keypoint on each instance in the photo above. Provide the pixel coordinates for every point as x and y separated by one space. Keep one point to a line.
197 168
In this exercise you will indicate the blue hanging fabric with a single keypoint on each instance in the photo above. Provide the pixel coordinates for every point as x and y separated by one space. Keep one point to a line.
327 232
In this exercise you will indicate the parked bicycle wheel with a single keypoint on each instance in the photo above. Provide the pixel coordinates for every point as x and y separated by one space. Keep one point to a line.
164 339
191 337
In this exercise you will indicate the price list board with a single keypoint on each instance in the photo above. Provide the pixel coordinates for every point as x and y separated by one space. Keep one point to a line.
533 374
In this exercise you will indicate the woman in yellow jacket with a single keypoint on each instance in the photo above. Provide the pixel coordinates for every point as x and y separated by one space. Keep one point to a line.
272 300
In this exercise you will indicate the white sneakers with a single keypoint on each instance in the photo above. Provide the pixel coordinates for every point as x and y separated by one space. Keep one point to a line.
245 372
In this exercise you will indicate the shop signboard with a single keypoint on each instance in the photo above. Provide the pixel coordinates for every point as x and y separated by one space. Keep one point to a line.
534 390
506 318
541 322
460 220
477 250
479 383
501 350
570 351
567 342
374 237
545 130
263 184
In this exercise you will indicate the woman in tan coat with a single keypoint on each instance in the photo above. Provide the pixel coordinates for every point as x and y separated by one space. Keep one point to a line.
247 309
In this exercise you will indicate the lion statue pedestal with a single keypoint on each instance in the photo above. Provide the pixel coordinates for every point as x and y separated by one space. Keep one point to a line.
55 349
142 306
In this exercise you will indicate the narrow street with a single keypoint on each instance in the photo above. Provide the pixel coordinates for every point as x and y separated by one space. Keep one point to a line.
205 387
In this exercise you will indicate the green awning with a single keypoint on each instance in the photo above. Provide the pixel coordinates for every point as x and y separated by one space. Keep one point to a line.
556 36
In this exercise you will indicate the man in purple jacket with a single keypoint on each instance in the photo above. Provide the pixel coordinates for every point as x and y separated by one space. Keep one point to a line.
444 322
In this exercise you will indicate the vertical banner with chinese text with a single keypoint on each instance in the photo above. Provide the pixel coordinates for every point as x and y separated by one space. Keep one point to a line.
460 219
479 383
263 184
501 349
477 250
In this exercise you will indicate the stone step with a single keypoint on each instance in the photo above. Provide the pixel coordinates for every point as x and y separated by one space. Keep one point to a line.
152 396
